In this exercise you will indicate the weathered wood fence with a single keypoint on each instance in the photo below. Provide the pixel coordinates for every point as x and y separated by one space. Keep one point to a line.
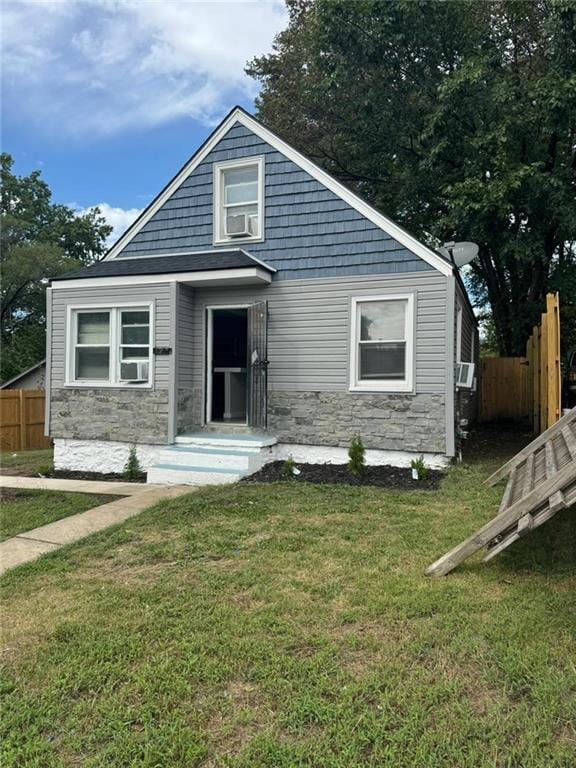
527 388
22 420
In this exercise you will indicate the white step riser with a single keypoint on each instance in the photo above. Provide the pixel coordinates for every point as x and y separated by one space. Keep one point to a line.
181 477
222 461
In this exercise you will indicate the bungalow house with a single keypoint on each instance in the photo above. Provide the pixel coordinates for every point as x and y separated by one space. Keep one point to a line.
256 309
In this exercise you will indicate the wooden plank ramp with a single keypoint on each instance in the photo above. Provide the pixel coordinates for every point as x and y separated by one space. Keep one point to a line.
541 480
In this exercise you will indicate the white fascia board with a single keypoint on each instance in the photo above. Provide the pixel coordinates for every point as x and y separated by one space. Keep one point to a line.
241 276
239 116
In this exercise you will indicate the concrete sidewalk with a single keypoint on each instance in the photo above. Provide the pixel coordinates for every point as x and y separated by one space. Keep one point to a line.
77 486
32 544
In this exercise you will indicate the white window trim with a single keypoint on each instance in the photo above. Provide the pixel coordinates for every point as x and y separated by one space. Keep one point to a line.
218 199
114 373
407 384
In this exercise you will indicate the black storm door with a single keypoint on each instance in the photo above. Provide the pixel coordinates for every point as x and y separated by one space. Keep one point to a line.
258 364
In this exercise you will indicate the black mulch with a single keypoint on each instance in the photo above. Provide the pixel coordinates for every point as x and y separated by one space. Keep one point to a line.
383 477
111 477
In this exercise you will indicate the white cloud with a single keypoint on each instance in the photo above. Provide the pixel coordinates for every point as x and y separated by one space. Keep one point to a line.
118 218
103 66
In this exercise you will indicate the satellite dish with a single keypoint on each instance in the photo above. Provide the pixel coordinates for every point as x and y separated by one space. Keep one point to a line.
460 253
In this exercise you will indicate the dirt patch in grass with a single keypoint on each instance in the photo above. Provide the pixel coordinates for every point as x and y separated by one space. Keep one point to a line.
398 478
21 495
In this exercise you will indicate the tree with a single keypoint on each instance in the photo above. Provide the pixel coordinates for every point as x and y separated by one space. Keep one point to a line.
456 119
38 240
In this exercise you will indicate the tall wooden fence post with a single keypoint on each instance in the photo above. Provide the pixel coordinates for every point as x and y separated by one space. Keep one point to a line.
554 383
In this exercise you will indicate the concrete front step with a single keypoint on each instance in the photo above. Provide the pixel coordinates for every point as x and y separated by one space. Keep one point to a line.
210 458
240 459
213 439
174 474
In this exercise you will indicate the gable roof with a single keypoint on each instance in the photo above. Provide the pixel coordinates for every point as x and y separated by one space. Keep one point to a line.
174 263
14 379
238 115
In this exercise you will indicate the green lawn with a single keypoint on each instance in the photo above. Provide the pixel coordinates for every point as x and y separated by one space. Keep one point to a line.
292 625
26 462
21 510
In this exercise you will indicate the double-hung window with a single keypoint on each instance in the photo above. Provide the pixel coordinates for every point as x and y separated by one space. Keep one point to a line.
134 344
239 200
92 346
382 344
110 346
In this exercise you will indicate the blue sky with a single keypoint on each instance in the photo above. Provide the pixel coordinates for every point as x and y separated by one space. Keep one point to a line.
108 98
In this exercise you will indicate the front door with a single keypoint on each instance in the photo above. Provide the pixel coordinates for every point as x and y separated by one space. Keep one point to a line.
258 365
227 367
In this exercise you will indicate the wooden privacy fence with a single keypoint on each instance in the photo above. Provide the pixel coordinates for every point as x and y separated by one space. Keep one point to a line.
544 374
504 389
527 388
22 420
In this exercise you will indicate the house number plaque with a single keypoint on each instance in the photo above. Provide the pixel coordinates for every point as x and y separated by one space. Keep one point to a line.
162 350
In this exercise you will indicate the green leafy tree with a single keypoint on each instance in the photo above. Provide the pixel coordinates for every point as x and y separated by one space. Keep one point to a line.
457 119
38 240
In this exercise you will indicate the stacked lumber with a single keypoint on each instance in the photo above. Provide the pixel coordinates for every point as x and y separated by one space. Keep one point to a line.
541 480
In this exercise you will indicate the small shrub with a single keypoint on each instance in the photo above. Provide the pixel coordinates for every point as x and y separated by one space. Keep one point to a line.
45 470
289 468
356 457
132 468
420 466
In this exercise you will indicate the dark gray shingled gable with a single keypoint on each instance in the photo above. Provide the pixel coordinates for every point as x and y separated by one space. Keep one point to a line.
309 231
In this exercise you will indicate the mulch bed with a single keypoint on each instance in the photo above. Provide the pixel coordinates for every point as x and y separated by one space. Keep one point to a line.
398 478
110 477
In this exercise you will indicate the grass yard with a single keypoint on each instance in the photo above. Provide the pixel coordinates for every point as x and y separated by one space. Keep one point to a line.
21 510
291 625
26 462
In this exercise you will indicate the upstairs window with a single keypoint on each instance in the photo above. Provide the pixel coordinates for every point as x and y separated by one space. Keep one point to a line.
382 344
239 201
109 347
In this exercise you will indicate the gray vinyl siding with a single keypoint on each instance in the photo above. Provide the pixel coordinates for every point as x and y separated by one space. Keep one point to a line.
185 334
468 349
309 231
466 400
62 298
309 329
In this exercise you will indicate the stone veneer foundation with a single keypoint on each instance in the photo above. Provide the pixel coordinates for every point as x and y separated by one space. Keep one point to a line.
127 415
392 422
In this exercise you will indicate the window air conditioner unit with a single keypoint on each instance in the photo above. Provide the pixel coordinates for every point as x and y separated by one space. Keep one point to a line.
465 375
141 372
239 225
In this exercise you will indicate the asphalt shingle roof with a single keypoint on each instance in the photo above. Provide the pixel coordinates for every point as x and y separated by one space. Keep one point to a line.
159 265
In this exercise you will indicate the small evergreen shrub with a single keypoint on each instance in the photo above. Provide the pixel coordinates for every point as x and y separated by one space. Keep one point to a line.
356 457
420 466
288 468
132 468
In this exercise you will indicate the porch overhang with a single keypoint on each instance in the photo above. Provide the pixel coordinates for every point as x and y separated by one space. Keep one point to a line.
207 268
